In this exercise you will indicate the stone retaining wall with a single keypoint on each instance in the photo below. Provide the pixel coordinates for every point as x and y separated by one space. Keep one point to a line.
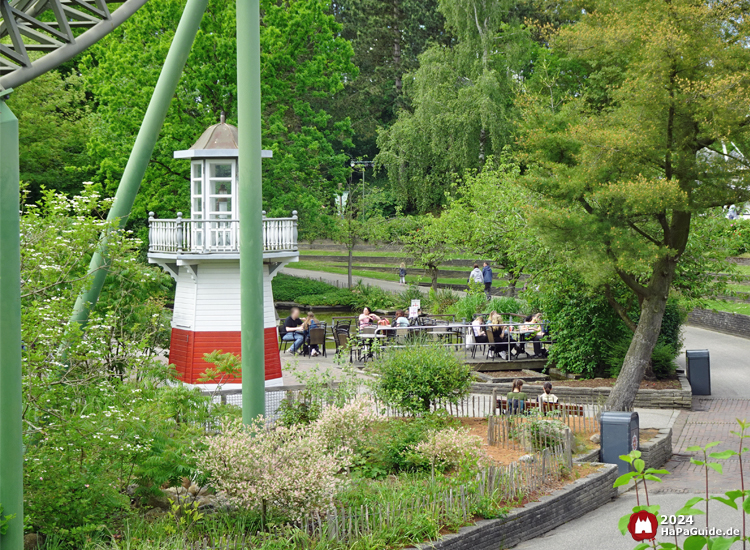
536 518
657 451
721 321
644 399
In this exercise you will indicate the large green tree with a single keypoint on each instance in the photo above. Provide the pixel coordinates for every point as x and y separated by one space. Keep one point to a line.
627 151
387 37
304 59
54 126
461 102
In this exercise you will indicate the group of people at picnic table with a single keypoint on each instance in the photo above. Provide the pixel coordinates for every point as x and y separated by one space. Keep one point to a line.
508 339
511 338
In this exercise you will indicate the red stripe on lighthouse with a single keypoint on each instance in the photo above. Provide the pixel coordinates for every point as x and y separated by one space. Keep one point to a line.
187 349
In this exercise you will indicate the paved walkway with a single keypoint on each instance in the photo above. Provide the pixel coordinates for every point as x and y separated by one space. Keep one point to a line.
712 419
343 280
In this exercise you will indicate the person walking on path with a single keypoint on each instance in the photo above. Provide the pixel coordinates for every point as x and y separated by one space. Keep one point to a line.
475 275
402 273
487 277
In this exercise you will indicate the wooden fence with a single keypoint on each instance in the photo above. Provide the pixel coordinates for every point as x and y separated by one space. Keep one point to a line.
503 484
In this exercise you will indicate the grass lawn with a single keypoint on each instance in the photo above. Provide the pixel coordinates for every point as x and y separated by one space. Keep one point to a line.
739 288
378 254
317 266
731 307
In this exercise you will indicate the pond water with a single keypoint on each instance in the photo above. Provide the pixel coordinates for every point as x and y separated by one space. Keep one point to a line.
322 315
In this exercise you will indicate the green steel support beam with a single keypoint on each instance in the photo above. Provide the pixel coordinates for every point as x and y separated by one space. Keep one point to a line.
250 210
143 149
11 438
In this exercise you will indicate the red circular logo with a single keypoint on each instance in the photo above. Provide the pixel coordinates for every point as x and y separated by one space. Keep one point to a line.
642 525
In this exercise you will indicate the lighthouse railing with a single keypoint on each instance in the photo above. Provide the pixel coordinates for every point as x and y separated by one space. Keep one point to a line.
191 236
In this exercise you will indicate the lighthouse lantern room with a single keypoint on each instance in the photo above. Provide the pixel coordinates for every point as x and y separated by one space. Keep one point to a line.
202 254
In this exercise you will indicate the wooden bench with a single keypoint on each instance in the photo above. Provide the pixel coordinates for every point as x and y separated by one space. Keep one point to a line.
569 409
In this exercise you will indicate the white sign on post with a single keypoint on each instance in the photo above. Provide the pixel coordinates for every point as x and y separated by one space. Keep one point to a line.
414 309
416 303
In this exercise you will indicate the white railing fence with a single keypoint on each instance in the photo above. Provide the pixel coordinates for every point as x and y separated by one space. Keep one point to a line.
179 235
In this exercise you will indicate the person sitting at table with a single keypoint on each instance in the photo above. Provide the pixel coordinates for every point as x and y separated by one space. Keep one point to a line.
401 321
516 398
367 318
506 342
547 396
292 330
540 333
310 323
495 322
480 336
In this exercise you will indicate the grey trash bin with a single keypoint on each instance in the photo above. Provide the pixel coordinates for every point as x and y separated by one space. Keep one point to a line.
698 371
619 436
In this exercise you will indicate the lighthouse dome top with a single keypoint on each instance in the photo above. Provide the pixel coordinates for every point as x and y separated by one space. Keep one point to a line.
219 140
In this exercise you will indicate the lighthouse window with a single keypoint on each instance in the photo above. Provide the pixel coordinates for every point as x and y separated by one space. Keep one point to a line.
197 169
221 170
197 205
197 187
221 188
221 204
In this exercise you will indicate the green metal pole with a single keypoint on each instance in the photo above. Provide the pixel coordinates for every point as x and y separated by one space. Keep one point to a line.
11 438
250 200
142 149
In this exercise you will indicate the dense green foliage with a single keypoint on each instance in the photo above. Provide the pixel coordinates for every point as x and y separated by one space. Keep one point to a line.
460 109
286 288
415 378
105 420
590 337
304 60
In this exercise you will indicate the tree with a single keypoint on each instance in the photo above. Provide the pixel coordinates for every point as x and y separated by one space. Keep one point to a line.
54 124
460 107
630 152
387 37
487 216
304 60
429 245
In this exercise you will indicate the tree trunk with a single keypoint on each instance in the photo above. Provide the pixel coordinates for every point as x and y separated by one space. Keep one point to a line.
434 273
638 358
349 269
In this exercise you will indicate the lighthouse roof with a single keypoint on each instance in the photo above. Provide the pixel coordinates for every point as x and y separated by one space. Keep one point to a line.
219 140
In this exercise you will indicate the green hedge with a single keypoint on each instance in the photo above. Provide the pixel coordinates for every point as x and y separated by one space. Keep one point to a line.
287 288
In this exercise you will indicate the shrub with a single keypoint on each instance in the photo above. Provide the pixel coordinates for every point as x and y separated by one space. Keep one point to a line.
539 433
451 448
413 378
442 300
391 450
374 297
347 426
288 469
287 288
504 304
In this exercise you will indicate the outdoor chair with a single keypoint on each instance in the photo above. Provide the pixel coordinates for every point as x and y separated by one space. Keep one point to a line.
317 337
491 344
283 344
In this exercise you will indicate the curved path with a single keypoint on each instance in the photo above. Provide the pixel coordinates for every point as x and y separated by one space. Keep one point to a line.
342 280
712 419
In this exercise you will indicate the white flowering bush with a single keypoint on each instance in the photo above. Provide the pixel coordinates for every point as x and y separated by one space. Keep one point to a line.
451 448
289 469
347 426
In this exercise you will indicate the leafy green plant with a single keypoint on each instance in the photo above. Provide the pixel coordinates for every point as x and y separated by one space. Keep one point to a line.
4 521
286 288
415 377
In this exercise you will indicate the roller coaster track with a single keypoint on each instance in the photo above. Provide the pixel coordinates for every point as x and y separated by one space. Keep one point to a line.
57 29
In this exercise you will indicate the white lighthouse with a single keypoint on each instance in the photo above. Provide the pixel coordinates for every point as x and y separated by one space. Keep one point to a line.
202 254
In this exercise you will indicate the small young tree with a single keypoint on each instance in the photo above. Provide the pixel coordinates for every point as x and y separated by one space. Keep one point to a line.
429 245
415 377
